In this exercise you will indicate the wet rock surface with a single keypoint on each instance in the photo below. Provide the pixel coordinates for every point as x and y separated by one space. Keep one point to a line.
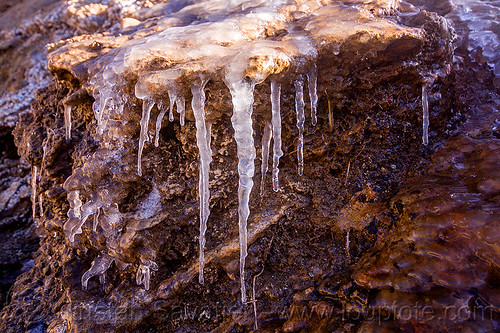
376 223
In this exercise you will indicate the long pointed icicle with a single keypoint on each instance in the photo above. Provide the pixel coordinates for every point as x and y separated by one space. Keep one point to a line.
203 142
425 115
276 123
312 78
159 119
67 121
242 98
147 105
266 142
299 108
34 175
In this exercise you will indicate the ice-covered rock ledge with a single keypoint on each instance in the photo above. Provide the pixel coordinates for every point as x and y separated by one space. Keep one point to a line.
252 61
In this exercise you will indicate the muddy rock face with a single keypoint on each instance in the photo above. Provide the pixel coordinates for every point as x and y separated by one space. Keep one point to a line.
235 166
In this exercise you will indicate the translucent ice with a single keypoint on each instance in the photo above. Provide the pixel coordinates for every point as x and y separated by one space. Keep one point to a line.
276 124
147 105
203 143
266 141
299 108
242 98
312 78
34 175
425 115
74 226
143 276
159 119
99 267
181 109
67 121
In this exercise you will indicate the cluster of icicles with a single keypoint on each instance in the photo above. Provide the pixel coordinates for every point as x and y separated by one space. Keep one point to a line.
242 100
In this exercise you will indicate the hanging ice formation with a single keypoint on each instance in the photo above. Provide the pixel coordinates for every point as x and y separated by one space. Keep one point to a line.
203 142
266 142
166 61
425 115
312 78
99 267
159 119
276 129
67 121
299 108
34 175
242 97
241 90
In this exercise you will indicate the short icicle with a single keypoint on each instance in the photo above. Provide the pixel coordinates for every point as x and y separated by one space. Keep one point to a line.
266 142
312 78
34 175
203 142
147 105
172 97
242 98
171 112
425 115
40 204
181 109
67 121
159 119
276 129
299 108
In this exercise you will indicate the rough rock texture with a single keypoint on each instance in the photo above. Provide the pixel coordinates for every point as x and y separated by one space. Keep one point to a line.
327 250
26 27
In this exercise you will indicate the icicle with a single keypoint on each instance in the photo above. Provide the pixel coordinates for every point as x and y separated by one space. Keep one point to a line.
40 204
147 105
159 119
104 104
74 227
312 78
67 121
266 141
181 109
299 108
99 267
34 175
143 276
242 98
347 243
75 205
276 123
96 220
171 113
425 115
172 96
203 138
